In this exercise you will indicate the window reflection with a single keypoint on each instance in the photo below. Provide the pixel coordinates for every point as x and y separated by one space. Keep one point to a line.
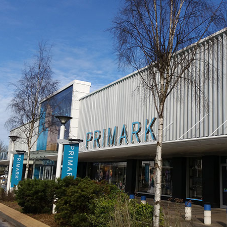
195 178
147 177
113 173
59 104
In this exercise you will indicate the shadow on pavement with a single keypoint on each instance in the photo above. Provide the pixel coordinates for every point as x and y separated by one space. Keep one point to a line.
222 223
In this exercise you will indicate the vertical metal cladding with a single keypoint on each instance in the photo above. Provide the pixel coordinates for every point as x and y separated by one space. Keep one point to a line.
125 101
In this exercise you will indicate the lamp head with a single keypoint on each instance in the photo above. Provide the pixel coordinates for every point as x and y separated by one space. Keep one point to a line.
14 138
20 151
63 119
75 140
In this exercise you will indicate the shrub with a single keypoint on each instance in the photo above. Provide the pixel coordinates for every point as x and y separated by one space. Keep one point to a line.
109 206
118 211
77 200
142 214
36 196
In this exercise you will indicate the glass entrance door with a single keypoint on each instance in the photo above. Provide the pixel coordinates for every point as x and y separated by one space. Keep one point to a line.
223 185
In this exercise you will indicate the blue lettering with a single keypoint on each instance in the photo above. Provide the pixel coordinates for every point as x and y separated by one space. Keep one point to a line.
135 132
104 138
123 135
149 129
89 137
97 135
112 138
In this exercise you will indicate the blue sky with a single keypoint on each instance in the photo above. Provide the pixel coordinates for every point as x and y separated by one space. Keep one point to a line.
82 48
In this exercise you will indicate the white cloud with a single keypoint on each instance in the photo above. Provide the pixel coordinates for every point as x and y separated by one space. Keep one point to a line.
85 64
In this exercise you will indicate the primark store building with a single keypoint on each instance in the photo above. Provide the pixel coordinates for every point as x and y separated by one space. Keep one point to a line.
118 126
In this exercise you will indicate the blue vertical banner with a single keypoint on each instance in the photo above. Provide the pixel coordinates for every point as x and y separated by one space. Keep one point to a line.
17 169
70 160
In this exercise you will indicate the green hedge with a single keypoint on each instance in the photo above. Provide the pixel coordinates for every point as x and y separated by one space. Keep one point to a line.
77 200
36 196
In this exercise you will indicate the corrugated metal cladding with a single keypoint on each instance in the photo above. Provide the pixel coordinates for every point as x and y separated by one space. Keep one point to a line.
125 101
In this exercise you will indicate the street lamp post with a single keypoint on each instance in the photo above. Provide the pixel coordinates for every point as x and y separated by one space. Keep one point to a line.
13 138
63 120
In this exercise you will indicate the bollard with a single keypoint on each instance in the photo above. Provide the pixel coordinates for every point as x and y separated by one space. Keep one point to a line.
54 206
143 199
131 197
188 211
53 209
207 214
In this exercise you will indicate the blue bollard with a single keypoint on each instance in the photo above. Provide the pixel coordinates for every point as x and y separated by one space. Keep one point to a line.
188 210
143 199
207 214
131 197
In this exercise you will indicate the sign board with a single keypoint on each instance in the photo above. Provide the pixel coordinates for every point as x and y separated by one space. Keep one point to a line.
17 169
70 160
111 137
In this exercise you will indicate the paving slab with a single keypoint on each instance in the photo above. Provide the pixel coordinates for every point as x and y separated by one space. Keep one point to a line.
175 213
19 219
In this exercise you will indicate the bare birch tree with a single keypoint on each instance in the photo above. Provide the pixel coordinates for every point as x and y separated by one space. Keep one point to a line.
35 85
3 150
150 34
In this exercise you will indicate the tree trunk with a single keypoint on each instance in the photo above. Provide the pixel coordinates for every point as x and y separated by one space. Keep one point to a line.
158 175
27 165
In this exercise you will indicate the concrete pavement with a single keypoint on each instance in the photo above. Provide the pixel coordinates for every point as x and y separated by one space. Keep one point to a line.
175 213
18 219
174 216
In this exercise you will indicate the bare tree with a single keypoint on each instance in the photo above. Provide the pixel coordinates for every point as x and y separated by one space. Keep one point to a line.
35 85
3 150
151 34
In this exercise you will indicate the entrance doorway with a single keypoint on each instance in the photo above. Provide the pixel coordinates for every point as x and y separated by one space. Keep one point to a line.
223 186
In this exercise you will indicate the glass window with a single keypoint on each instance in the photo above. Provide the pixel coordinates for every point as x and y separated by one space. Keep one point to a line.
3 155
59 104
114 173
167 177
147 177
224 185
223 160
46 170
195 178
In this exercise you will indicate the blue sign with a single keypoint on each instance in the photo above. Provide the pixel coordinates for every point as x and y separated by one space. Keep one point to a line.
70 160
17 169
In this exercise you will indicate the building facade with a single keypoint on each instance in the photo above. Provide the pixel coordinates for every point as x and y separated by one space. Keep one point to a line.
118 126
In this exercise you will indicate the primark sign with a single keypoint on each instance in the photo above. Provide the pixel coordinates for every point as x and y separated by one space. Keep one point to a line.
110 137
17 169
70 160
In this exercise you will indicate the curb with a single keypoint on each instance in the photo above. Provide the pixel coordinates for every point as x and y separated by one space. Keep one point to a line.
19 219
11 220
